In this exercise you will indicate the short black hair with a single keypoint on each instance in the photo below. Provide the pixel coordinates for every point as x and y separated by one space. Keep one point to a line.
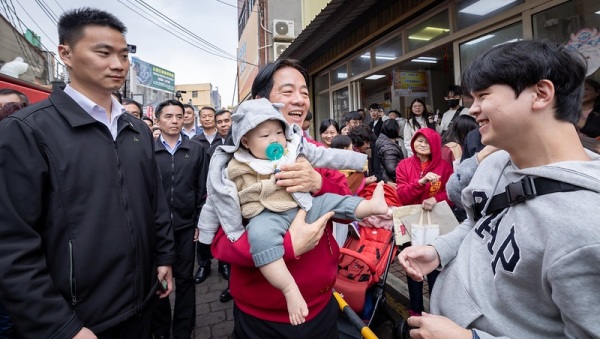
170 102
390 129
353 115
72 23
145 118
128 101
189 106
263 83
328 122
8 91
523 64
376 107
361 135
457 90
341 141
221 111
309 116
208 108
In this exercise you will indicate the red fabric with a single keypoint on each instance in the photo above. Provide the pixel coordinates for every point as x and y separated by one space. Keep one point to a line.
408 172
314 271
391 198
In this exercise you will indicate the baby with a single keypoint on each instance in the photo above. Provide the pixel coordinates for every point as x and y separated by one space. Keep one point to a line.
241 183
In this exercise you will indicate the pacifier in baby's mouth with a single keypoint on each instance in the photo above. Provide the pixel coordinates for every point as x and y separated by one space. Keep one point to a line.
274 151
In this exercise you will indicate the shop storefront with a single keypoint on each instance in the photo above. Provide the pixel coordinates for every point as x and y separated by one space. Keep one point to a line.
425 53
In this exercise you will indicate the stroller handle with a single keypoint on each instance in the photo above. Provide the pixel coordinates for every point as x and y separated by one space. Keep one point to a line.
354 318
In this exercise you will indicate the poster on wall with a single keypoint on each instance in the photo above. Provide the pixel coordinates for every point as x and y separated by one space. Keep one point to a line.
587 42
410 84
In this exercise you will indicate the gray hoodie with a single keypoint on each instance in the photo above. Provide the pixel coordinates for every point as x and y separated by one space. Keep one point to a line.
533 269
222 205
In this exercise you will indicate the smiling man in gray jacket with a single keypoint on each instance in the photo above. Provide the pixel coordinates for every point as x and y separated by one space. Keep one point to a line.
525 262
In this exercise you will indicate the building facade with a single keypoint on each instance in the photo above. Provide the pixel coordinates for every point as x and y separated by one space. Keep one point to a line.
41 65
199 95
265 29
360 52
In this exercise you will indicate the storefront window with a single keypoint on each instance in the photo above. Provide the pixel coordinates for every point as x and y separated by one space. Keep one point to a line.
576 24
341 104
471 12
339 74
429 31
321 109
361 63
321 82
388 50
470 49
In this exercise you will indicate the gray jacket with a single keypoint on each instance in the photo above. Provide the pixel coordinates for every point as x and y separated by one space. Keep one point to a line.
222 206
530 271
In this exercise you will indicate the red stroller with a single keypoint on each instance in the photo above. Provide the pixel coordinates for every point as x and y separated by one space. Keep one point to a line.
363 267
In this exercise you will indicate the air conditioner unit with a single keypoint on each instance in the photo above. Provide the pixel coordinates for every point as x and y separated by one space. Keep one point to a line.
283 29
278 48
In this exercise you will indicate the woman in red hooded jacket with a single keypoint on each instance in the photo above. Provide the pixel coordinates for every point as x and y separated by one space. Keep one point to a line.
421 179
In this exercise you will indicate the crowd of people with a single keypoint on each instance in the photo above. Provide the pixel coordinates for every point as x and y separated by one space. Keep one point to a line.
105 210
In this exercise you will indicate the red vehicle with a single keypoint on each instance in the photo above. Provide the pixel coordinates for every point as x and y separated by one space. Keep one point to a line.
34 92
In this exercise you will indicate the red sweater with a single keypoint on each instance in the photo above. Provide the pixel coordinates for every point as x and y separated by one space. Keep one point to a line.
409 172
314 271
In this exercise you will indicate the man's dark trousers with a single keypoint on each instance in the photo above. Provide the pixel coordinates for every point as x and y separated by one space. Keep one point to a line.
184 314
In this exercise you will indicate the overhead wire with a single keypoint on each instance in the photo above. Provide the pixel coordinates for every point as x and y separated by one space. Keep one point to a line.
38 26
29 57
185 30
192 43
48 12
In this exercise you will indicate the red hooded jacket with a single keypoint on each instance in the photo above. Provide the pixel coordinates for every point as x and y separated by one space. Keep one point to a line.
409 172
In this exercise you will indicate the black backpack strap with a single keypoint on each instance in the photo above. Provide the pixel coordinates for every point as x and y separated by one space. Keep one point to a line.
525 189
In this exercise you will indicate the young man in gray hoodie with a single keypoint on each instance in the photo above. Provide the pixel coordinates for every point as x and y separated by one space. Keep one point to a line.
524 267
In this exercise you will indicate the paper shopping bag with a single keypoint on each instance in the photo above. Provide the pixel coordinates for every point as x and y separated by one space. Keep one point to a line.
401 232
441 215
424 233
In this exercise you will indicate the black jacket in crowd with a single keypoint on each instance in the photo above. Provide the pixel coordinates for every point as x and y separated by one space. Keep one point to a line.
84 219
389 155
184 180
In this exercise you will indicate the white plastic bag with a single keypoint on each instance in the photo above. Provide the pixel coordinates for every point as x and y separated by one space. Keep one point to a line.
424 233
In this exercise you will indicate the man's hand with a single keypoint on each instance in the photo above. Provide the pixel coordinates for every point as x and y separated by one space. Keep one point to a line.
418 261
85 333
429 326
166 273
299 177
196 234
306 236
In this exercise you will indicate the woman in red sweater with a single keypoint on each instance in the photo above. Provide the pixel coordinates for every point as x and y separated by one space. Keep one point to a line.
421 179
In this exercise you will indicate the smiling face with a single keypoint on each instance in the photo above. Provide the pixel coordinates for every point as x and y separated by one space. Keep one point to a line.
328 135
421 146
207 119
290 89
98 62
502 117
170 120
258 139
223 122
417 108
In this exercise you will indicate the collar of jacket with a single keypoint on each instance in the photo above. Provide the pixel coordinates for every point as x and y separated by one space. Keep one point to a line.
77 116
